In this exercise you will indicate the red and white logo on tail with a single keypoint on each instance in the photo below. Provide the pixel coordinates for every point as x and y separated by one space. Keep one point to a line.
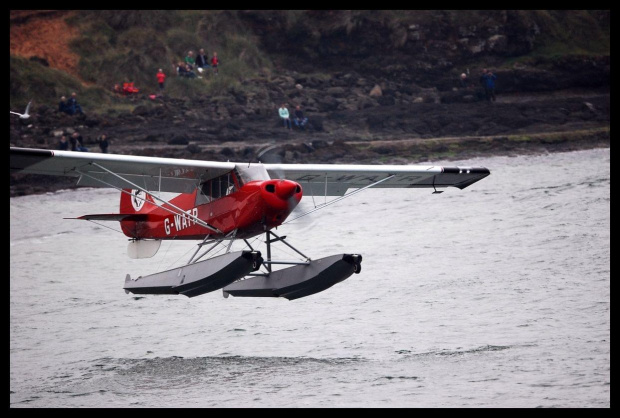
137 199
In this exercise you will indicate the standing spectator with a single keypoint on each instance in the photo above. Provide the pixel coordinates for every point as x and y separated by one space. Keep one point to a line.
482 77
202 62
72 105
283 111
300 120
488 82
104 143
214 62
189 60
161 78
63 106
63 145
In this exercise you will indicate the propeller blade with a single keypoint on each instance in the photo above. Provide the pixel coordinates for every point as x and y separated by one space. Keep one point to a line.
270 156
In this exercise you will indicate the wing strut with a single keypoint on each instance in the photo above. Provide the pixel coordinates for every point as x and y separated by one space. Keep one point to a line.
340 198
434 188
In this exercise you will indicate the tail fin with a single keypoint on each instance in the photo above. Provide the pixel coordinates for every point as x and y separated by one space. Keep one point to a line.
135 201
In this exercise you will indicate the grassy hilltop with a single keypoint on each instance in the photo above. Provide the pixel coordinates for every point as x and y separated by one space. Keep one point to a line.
425 47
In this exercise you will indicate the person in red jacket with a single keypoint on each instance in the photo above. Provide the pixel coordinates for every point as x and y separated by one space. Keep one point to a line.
161 77
214 62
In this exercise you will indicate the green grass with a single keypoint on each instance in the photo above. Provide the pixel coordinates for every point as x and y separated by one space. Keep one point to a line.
520 138
566 33
120 107
130 46
190 88
30 80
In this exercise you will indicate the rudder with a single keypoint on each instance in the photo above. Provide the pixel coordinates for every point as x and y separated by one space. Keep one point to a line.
135 201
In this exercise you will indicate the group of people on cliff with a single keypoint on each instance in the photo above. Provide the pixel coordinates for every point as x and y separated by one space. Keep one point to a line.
299 119
486 81
71 106
188 68
76 143
200 64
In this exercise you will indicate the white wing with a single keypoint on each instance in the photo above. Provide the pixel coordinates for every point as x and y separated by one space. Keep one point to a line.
336 179
95 170
183 176
27 109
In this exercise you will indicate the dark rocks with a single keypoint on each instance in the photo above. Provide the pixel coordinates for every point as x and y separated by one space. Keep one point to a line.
327 103
193 149
366 102
91 121
180 139
318 144
497 44
40 60
336 91
226 151
386 100
316 124
235 125
375 121
141 110
152 138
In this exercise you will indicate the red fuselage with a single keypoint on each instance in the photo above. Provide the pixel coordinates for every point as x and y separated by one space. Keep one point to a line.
255 207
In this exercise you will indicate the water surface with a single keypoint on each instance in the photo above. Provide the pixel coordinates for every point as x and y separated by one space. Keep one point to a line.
493 296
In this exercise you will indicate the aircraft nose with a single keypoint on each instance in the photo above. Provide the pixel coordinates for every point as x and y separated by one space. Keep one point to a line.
286 188
281 194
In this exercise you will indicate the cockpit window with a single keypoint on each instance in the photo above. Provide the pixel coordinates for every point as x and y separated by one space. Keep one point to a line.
215 188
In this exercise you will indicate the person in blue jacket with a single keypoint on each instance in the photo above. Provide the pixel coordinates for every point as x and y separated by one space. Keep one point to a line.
73 106
300 120
487 79
63 144
62 105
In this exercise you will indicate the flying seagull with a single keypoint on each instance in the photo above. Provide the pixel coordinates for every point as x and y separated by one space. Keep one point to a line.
26 115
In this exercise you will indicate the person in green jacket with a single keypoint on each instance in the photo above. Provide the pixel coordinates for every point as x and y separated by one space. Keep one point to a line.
189 60
283 111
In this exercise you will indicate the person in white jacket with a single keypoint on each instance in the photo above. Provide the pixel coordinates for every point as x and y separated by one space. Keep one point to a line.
283 111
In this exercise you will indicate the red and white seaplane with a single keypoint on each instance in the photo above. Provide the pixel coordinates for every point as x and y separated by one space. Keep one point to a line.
221 202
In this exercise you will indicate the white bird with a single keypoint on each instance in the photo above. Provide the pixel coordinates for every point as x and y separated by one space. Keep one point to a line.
26 115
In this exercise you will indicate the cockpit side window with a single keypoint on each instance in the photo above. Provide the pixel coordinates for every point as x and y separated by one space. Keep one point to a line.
215 188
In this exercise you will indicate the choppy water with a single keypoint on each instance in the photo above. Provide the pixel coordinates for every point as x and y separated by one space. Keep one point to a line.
494 296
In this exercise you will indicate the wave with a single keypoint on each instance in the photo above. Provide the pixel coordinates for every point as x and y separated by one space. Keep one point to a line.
457 352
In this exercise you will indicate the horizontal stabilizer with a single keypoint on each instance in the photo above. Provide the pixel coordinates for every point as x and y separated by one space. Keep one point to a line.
120 217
